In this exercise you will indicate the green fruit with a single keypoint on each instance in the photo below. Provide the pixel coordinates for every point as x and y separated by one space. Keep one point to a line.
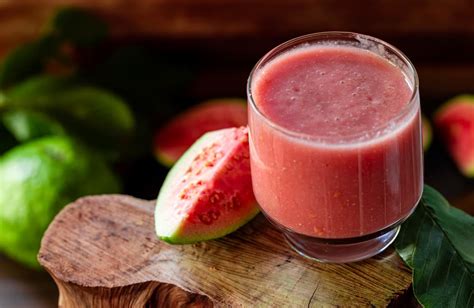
208 192
37 179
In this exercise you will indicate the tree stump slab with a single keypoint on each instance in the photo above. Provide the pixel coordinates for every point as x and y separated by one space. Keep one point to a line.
102 252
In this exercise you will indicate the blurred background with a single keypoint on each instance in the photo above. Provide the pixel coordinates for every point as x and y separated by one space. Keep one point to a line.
160 57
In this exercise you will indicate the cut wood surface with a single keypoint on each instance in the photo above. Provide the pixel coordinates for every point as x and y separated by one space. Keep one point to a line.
102 252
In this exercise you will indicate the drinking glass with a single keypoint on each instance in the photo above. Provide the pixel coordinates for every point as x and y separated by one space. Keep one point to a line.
338 201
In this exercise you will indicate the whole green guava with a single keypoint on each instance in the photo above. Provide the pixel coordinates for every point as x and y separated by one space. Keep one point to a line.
37 179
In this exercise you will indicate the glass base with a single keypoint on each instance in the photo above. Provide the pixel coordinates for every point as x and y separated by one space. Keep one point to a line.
341 250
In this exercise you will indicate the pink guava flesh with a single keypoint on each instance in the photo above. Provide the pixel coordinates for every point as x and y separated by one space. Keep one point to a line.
208 193
172 140
455 121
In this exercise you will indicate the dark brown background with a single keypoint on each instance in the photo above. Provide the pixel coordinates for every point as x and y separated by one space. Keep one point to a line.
228 37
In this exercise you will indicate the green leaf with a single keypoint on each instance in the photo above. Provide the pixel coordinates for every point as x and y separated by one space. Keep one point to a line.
97 116
26 60
437 242
78 26
100 112
27 125
68 25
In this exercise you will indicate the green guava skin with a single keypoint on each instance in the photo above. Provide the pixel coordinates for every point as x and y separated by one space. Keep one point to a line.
37 179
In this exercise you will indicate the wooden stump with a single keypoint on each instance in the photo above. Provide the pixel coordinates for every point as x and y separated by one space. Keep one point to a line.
102 252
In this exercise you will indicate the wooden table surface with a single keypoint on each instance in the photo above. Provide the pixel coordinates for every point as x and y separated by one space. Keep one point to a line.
103 252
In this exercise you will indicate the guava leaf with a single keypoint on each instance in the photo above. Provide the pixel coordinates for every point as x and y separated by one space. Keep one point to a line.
26 60
26 125
97 116
97 112
437 242
69 24
78 26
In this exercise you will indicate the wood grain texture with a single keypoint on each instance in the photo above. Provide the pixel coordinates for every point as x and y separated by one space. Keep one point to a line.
102 252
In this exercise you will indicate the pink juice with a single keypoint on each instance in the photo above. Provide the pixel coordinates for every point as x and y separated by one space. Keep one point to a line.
335 142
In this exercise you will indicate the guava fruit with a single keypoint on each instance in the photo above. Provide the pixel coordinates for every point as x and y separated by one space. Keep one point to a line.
427 132
37 179
455 122
172 140
208 192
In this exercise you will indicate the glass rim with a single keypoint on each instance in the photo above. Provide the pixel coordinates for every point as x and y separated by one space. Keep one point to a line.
333 36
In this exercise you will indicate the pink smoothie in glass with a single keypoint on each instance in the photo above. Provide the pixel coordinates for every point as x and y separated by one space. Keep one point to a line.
336 149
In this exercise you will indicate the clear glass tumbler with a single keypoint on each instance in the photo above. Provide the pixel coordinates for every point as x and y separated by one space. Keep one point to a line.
335 198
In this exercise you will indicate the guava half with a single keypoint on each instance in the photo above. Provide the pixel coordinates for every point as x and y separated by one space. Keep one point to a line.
455 122
172 140
208 192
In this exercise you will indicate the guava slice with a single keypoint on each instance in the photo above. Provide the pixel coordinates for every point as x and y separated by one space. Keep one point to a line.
172 140
208 192
455 121
427 132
